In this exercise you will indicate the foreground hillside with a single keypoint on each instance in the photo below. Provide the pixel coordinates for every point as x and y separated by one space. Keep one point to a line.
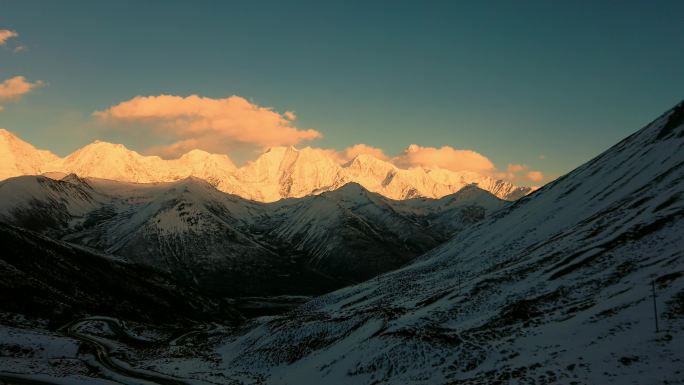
554 288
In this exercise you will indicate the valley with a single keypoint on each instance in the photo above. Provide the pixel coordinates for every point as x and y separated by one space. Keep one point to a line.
563 285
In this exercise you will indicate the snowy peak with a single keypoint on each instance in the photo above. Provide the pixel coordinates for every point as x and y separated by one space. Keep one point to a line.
20 158
108 161
116 162
195 158
368 169
278 173
284 172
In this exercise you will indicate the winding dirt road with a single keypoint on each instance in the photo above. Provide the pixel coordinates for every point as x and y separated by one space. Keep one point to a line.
103 357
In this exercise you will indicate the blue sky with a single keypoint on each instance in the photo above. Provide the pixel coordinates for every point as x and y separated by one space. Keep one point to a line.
509 80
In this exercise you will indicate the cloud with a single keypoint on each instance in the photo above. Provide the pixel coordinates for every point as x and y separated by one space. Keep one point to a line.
352 152
443 157
6 34
520 173
535 176
209 124
238 127
13 89
514 168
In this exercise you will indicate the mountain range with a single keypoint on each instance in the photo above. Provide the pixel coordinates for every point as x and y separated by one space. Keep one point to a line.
580 281
230 246
280 172
566 285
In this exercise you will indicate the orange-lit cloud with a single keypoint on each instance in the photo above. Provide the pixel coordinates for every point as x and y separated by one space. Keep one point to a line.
520 173
206 123
444 157
349 153
14 88
6 34
535 176
352 152
514 168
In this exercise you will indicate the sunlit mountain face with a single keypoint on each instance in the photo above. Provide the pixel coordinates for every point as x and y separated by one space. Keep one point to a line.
280 172
341 193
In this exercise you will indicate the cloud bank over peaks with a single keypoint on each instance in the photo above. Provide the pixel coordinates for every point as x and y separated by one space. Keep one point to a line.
238 127
216 125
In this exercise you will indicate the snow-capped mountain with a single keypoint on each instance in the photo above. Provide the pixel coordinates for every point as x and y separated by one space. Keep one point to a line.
278 173
20 158
116 162
43 204
556 287
225 244
355 234
286 172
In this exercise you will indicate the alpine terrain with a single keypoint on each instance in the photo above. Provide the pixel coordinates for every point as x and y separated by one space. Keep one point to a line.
557 287
179 282
280 172
227 245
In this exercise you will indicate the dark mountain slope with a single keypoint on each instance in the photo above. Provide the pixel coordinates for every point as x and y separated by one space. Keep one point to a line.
556 287
228 246
44 278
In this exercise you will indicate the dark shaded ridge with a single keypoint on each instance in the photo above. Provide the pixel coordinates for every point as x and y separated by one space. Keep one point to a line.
55 280
676 119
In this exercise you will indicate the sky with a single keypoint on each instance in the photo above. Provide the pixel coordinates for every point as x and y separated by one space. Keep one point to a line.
527 90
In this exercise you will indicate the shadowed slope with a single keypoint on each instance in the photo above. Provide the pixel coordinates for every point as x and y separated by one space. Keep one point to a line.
555 287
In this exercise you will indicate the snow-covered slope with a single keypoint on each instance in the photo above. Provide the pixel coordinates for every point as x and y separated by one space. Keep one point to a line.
355 234
187 228
229 245
43 204
20 158
278 173
556 287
